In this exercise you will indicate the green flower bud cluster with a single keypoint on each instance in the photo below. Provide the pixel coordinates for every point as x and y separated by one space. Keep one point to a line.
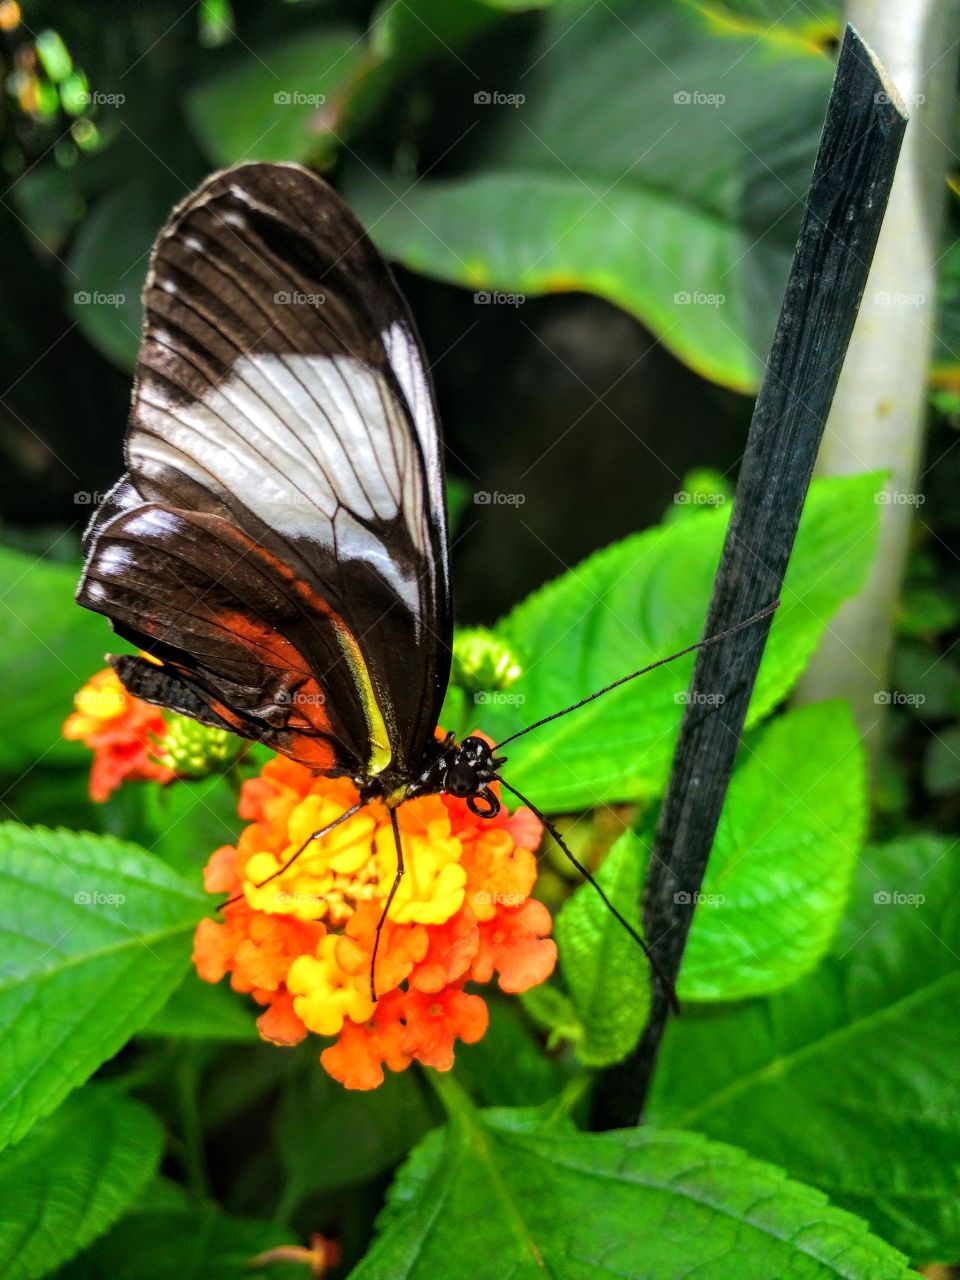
481 662
195 750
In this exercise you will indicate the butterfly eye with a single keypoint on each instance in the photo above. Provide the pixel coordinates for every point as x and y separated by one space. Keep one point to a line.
460 780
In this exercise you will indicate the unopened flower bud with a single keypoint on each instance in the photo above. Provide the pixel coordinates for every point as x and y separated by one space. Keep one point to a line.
195 750
481 661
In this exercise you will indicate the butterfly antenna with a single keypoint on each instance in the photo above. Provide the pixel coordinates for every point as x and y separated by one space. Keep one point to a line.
316 835
661 976
389 902
661 662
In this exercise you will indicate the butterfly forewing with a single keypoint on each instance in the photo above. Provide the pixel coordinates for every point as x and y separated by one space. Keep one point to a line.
279 539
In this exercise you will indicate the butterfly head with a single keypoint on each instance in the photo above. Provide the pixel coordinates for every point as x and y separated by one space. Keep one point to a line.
469 768
463 769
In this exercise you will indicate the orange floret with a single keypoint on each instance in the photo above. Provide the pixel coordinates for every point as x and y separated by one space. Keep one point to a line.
122 732
361 1052
434 1022
515 945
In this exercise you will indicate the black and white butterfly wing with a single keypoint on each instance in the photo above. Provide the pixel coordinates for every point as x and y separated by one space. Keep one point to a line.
279 539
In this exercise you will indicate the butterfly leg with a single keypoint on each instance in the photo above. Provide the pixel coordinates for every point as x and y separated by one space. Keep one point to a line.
390 897
662 978
316 835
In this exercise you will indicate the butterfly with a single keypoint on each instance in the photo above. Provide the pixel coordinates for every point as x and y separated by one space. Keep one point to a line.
277 546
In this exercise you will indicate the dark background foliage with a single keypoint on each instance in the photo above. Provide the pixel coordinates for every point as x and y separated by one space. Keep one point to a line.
559 398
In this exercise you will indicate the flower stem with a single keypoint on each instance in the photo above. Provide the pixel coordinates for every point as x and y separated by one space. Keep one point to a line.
878 415
186 1080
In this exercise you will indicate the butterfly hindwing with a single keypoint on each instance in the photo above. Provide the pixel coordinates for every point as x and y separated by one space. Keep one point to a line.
200 574
279 539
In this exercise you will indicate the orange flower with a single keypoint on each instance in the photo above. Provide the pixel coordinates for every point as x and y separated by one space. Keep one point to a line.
121 731
434 1022
300 937
511 944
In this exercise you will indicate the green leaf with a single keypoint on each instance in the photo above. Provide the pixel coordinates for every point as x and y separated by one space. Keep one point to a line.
186 823
642 599
96 935
197 1244
849 1078
283 103
404 36
687 219
785 850
487 1197
252 1078
607 973
50 201
202 1011
50 649
216 22
699 490
53 55
552 1011
814 23
946 358
329 1137
72 1177
927 610
162 1194
508 1067
925 683
55 797
458 497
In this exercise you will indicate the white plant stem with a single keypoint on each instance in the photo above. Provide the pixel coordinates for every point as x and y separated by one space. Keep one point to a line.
878 415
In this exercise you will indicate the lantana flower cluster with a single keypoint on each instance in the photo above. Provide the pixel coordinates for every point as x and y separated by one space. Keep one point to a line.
123 733
300 938
301 944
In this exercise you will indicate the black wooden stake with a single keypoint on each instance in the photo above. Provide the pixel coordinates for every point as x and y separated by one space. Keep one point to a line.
845 206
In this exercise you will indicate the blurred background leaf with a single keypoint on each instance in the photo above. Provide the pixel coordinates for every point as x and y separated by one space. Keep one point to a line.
328 1137
697 233
282 105
186 1244
200 1011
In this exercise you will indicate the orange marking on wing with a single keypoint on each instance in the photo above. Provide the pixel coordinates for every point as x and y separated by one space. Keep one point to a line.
309 695
283 571
305 700
306 704
300 588
315 753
